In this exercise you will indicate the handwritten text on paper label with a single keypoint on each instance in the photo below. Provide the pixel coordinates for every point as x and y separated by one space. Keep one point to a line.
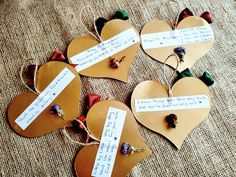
177 37
45 98
105 49
172 103
106 155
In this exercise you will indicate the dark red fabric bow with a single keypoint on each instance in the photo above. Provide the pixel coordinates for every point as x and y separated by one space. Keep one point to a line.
91 100
186 13
56 56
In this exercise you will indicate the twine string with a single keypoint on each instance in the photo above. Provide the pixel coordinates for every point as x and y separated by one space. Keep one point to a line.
67 135
97 36
161 11
34 79
172 75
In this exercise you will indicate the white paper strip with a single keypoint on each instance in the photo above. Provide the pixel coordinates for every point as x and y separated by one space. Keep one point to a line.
45 98
105 49
106 155
172 103
177 37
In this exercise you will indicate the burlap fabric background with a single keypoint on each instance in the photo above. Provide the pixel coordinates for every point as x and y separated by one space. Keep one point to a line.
34 29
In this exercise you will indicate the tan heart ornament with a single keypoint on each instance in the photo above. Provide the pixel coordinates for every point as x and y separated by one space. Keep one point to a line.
193 33
120 43
96 117
31 115
154 113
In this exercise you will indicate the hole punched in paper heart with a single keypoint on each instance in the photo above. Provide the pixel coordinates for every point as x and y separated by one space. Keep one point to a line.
117 141
108 53
193 33
54 102
171 111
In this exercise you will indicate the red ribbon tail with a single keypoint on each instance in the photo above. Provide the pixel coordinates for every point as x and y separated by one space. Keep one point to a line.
88 138
83 120
73 65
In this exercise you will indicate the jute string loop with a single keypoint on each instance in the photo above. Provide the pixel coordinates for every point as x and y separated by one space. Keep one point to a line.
35 72
172 75
97 36
161 11
66 134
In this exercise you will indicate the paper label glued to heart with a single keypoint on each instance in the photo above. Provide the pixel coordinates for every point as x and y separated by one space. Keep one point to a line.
193 33
187 119
96 117
120 39
30 114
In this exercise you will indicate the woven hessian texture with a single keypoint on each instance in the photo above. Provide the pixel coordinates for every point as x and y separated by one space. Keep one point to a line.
34 29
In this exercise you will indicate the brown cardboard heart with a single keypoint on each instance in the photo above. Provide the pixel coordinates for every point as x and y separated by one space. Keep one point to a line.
47 122
102 69
187 119
193 51
85 158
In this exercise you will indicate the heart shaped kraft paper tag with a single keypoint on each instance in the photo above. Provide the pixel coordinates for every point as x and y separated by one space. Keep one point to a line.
193 33
113 123
188 107
110 58
33 115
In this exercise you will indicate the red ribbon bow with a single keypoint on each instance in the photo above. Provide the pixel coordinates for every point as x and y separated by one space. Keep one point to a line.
56 56
91 100
186 13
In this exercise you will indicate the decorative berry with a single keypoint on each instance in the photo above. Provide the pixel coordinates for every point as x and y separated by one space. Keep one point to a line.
171 120
126 149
